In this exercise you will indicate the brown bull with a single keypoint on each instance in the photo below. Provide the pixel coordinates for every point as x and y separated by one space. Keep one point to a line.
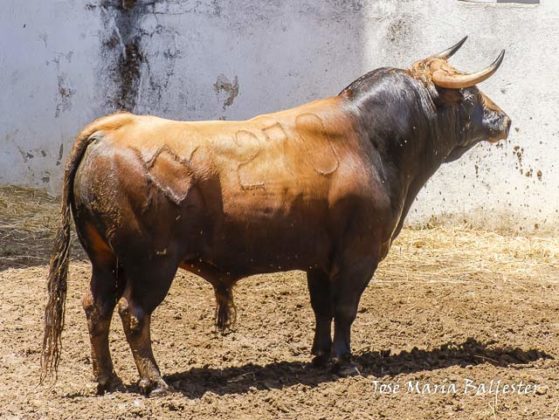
323 188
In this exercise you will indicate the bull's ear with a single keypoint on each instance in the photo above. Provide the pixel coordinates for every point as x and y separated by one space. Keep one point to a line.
449 97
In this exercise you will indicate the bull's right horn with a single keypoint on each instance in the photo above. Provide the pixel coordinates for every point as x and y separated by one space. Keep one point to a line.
443 79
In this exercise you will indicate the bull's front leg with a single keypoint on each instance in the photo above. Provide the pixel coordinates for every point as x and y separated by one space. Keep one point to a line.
348 284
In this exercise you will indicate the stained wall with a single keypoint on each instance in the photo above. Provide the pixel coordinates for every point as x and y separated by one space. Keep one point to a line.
63 63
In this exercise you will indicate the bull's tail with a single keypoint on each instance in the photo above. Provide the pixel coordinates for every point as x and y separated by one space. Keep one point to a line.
58 273
54 311
225 311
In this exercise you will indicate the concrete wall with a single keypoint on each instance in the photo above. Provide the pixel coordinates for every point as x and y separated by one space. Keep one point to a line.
65 62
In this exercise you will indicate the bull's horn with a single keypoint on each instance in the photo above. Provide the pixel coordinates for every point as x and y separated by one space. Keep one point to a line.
460 81
446 54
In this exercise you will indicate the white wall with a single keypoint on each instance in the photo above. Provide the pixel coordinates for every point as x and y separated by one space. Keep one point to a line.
63 63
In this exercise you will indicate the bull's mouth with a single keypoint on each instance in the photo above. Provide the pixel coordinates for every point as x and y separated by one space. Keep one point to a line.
501 134
497 139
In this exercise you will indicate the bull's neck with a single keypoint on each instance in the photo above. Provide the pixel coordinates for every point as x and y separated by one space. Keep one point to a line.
418 153
413 153
409 143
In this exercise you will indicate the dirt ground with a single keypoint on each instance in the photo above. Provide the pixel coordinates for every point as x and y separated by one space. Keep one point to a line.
449 311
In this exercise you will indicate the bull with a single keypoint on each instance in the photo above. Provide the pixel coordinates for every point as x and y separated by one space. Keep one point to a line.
323 187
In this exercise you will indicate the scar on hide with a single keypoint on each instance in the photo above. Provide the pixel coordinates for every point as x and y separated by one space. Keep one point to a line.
311 131
276 132
150 156
170 173
242 138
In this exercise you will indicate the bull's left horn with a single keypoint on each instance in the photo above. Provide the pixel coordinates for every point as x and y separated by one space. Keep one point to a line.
443 79
446 54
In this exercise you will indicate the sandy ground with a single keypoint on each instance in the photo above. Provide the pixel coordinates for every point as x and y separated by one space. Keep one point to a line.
450 310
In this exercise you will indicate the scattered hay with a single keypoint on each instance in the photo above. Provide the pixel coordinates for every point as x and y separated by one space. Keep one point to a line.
453 253
27 209
28 219
463 254
503 221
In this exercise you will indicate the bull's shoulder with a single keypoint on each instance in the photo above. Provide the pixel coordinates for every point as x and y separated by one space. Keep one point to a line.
360 180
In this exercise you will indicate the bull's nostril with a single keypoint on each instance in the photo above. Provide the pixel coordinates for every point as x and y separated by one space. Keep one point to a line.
507 124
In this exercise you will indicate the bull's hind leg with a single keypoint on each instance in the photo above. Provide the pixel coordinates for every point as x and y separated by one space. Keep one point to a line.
321 302
225 312
146 287
98 303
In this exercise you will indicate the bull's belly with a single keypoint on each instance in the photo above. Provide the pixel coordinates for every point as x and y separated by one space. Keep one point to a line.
265 247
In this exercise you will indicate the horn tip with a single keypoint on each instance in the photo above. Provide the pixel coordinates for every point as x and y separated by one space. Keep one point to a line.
446 54
461 42
500 58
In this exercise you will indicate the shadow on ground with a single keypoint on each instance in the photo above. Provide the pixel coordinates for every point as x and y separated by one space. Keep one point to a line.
194 383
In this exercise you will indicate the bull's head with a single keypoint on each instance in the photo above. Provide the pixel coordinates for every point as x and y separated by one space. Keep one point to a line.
479 117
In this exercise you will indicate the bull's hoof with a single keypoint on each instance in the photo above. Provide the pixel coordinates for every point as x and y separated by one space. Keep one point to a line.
345 368
321 360
153 388
110 384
